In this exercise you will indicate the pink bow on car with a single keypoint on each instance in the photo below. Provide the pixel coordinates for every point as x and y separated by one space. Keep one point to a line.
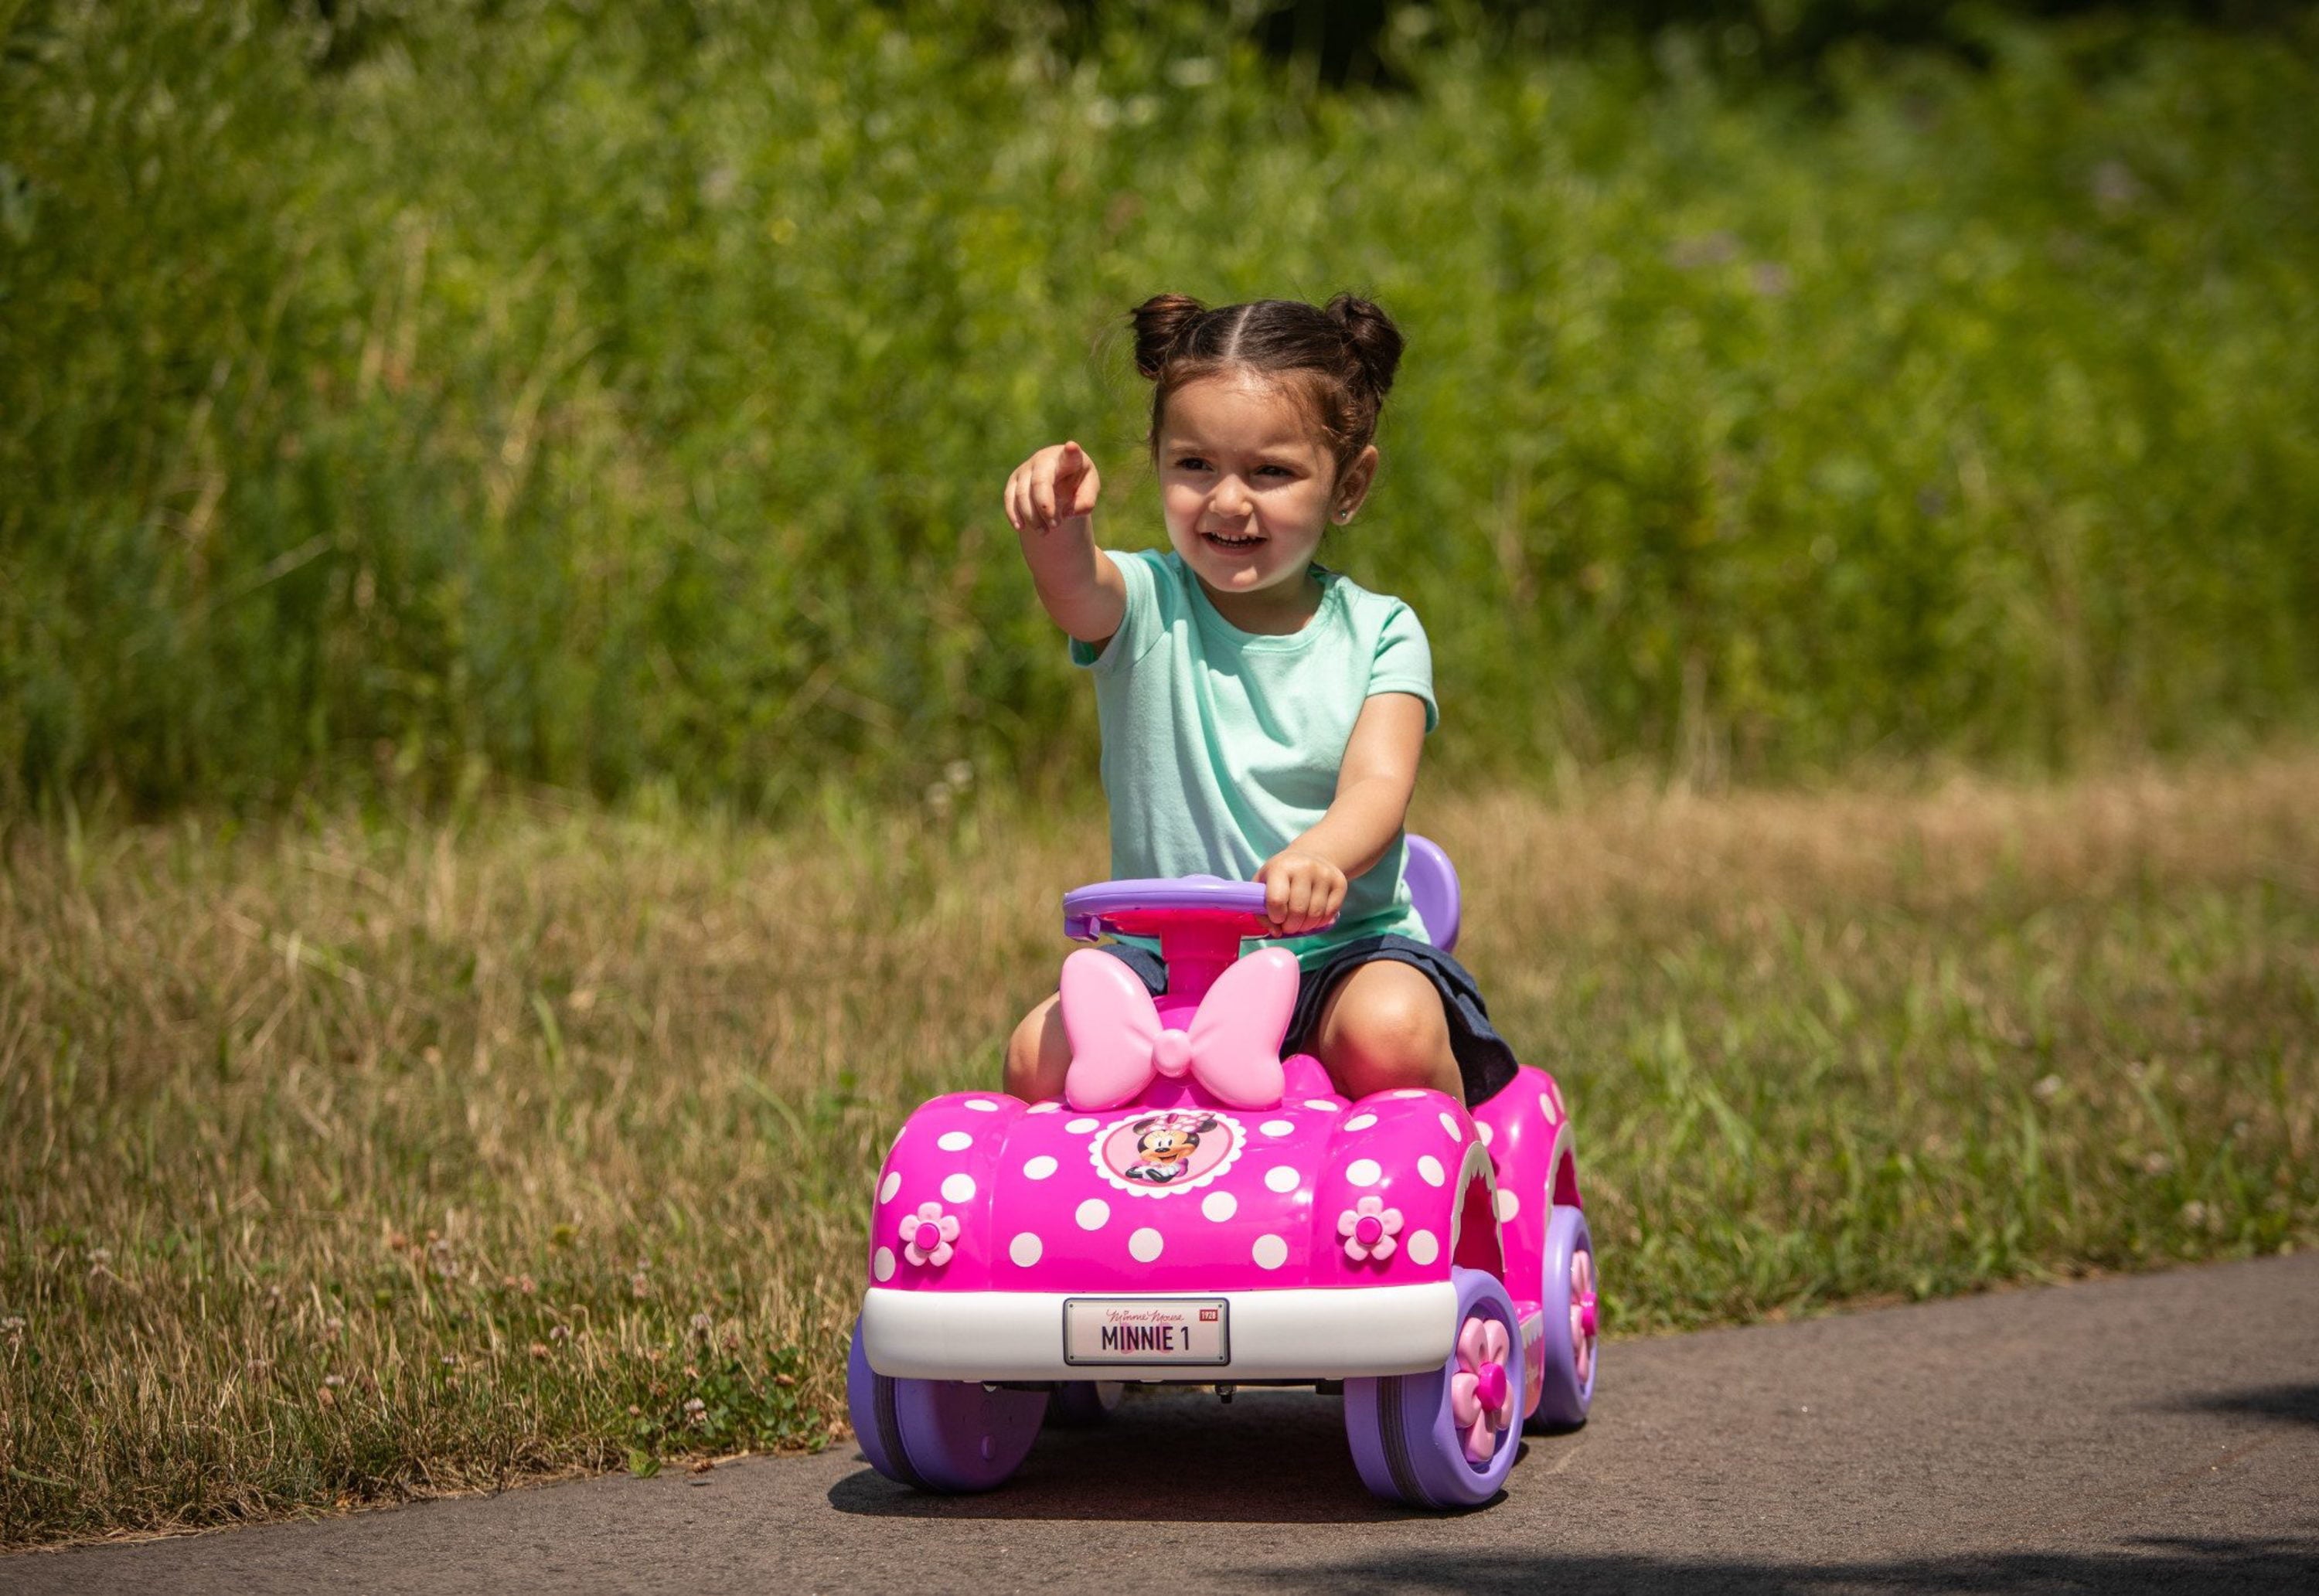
1232 1048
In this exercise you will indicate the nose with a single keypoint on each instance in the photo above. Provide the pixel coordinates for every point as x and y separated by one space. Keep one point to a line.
1230 498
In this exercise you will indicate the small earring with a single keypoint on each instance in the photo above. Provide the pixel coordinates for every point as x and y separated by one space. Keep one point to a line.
1344 515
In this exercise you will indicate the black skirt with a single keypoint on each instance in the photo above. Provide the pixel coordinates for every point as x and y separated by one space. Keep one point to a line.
1483 1059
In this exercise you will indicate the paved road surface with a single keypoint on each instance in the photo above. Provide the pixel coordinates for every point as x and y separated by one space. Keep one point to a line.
2160 1433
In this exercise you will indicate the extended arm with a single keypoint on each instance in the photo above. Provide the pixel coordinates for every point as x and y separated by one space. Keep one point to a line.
1050 504
1305 882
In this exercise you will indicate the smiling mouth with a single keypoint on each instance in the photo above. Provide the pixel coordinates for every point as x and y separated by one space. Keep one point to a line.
1234 545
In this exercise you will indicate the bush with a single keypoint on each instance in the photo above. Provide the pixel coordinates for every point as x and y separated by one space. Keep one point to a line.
597 400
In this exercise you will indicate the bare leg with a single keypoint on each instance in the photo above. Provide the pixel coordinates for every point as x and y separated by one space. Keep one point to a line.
1039 1053
1382 1026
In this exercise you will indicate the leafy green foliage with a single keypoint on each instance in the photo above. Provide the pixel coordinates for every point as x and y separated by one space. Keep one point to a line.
599 400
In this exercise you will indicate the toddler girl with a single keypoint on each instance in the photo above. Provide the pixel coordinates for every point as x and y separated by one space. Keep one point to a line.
1262 715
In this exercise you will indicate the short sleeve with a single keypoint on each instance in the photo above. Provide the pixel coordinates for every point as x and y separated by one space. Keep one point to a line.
1137 626
1405 662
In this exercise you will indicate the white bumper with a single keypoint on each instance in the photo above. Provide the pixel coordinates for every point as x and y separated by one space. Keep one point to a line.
1298 1334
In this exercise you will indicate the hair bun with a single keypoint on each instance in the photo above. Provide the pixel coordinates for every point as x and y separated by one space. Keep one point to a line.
1160 323
1370 334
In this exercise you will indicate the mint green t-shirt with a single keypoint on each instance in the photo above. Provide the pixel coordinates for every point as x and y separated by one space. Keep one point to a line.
1220 747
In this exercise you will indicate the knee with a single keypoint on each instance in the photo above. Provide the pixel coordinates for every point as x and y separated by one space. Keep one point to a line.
1022 1053
1037 1054
1391 1035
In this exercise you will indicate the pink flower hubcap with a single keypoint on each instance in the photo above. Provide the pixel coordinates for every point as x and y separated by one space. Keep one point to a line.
1481 1395
1369 1230
1584 1316
929 1237
1490 1385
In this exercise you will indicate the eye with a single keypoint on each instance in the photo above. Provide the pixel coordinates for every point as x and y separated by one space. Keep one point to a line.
1191 463
1273 471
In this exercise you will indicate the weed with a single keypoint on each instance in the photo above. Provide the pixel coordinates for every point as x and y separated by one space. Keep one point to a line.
300 1202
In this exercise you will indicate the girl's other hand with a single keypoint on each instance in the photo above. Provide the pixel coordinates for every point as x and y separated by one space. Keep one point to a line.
1302 891
1050 503
1053 488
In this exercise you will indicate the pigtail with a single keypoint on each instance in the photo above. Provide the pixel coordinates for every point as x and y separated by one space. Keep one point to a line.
1160 323
1371 339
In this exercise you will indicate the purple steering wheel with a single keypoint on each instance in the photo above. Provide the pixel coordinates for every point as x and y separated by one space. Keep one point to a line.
1146 907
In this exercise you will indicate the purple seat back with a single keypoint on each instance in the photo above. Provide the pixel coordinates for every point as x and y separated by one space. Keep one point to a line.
1433 883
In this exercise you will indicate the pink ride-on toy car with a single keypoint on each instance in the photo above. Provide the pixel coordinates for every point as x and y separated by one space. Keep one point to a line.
1199 1211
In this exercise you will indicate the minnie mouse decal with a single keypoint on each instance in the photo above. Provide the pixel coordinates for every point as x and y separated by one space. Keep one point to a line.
1162 1151
1164 1146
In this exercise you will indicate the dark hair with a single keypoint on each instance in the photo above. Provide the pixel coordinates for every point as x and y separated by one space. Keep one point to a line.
1340 358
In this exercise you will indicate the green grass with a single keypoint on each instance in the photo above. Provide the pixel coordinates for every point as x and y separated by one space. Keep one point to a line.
353 1157
620 397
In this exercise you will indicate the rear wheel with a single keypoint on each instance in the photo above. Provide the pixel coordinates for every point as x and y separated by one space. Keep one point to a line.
1446 1438
1082 1404
1567 1351
946 1436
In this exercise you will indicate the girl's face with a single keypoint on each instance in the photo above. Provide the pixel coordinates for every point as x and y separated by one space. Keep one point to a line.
1248 487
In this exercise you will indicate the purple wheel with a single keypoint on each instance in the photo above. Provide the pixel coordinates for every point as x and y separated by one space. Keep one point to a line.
1566 1352
1446 1438
946 1436
1082 1404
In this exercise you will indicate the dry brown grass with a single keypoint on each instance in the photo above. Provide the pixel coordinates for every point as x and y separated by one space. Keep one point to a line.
353 1159
1638 845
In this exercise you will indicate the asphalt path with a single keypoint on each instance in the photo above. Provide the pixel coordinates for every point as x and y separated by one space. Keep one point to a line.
2152 1433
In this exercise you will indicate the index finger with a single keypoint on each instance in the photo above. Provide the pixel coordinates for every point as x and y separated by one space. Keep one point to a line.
1275 898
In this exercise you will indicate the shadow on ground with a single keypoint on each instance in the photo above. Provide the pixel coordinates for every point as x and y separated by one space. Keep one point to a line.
1269 1458
2241 1567
2293 1404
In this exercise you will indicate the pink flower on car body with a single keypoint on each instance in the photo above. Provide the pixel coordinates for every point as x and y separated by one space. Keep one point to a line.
927 1235
1369 1228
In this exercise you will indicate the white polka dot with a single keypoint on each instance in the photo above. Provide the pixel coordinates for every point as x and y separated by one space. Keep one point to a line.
958 1188
1039 1169
1450 1125
1361 1121
1270 1252
1364 1172
1430 1167
881 1263
1281 1179
1407 1093
889 1185
1094 1214
1145 1245
1025 1249
1220 1207
982 1105
1508 1206
1046 1108
1423 1248
954 1141
1082 1125
1325 1105
1487 1131
1278 1128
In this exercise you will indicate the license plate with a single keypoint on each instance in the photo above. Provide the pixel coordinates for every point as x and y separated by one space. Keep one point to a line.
1146 1331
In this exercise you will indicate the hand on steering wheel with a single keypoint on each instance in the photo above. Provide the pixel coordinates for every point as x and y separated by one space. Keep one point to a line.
1302 891
1146 907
